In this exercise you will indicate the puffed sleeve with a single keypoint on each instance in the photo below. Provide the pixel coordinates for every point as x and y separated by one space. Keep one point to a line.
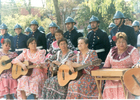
41 58
20 58
73 58
70 45
107 61
92 57
138 41
135 56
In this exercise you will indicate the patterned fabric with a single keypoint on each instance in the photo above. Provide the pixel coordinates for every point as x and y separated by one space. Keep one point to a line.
114 89
85 87
51 89
31 84
8 85
54 48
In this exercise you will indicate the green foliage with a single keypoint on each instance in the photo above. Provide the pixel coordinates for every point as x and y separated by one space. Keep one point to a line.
104 10
24 21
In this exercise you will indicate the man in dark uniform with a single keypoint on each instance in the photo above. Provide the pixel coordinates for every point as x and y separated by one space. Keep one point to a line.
41 29
98 40
71 34
27 31
135 25
120 27
4 35
20 40
111 25
89 29
40 37
50 36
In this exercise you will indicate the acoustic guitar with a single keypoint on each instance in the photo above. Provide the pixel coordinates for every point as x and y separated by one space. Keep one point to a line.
64 74
5 63
17 71
132 80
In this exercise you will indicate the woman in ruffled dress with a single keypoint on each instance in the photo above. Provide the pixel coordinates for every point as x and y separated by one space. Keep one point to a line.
51 89
8 85
54 46
31 84
120 56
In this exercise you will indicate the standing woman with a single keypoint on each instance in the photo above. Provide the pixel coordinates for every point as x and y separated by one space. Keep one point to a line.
8 85
85 87
31 84
120 56
20 40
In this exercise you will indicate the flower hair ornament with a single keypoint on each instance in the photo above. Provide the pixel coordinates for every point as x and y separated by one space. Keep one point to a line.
114 38
2 40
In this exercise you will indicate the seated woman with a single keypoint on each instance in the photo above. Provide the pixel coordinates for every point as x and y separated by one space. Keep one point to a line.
31 84
8 85
51 89
54 47
85 87
120 56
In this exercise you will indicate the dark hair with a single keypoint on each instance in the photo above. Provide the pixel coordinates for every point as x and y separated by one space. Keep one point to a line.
63 39
31 40
59 31
83 38
8 41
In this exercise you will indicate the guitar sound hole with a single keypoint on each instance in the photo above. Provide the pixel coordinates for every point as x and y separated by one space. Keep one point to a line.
63 75
22 69
3 63
70 72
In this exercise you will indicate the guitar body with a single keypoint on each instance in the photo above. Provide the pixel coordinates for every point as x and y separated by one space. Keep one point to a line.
64 76
6 66
17 71
132 80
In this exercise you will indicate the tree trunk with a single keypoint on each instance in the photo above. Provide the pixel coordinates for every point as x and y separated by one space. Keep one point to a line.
57 11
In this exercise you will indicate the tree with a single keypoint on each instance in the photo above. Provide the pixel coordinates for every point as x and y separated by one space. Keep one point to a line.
103 9
57 11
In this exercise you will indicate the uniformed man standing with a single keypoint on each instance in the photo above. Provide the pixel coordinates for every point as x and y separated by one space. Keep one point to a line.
41 29
120 27
40 37
4 35
89 29
98 40
135 25
50 36
111 25
20 40
71 34
27 31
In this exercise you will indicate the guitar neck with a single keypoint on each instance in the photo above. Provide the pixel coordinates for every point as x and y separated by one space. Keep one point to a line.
31 66
96 62
7 61
82 67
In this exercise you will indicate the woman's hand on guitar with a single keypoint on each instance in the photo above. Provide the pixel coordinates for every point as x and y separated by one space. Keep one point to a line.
71 69
38 66
56 62
137 66
24 67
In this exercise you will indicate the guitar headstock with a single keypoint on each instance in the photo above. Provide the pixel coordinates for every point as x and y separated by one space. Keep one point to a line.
96 62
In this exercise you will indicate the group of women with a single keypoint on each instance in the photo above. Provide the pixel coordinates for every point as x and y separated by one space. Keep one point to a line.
63 52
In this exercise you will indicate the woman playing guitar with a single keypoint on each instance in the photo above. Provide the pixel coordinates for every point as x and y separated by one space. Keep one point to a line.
31 84
51 89
85 87
8 85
